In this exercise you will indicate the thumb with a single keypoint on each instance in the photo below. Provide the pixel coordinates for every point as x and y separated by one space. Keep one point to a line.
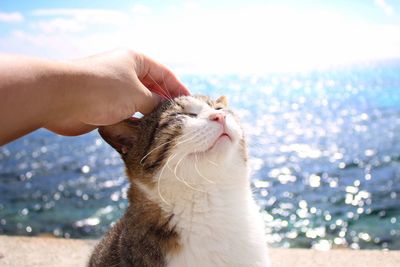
147 101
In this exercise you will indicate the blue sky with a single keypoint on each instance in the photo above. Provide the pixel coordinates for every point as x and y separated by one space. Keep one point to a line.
208 36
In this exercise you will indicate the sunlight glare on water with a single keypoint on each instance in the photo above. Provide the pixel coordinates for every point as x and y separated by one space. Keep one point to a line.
324 151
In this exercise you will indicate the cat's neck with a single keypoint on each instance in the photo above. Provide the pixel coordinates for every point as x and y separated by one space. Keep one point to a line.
199 187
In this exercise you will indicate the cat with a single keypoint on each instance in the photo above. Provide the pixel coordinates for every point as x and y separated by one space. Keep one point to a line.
190 201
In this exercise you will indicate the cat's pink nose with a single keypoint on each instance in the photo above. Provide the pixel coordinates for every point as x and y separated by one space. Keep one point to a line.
218 117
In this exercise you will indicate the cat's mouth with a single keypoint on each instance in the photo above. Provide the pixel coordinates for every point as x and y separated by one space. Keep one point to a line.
220 138
224 134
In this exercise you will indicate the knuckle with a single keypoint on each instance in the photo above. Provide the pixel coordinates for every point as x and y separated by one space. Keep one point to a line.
127 51
140 61
132 53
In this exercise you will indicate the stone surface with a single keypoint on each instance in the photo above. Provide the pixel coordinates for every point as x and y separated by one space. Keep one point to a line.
50 252
334 258
43 252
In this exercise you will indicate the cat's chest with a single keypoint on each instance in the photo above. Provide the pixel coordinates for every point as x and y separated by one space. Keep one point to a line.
219 234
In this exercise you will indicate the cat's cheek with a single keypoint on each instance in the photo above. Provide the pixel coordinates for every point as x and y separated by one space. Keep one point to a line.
234 130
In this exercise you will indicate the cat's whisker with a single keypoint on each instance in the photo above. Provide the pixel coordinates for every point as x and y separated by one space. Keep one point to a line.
206 158
166 87
176 176
212 162
160 92
183 180
159 179
184 141
148 154
164 91
163 144
198 172
165 94
176 168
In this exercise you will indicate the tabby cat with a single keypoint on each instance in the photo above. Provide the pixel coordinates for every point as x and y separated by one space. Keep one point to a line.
190 202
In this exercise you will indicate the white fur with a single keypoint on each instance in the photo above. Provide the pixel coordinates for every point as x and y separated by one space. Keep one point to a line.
209 194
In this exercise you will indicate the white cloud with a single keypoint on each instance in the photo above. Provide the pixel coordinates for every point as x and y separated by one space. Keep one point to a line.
59 25
82 15
65 20
11 17
388 9
139 9
192 39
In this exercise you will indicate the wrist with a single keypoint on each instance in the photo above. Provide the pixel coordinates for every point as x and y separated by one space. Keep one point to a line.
65 84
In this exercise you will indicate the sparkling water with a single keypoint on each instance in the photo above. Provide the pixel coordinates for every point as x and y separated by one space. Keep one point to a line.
324 152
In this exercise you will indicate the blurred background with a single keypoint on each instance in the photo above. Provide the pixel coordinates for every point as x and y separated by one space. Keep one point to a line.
316 84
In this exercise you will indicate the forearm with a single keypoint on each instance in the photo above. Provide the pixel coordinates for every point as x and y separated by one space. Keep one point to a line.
32 93
73 98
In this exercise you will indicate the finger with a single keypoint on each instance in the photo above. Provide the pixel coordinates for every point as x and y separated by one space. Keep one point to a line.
147 101
152 72
71 128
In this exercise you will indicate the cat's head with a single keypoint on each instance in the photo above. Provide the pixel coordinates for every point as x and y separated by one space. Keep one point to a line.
189 134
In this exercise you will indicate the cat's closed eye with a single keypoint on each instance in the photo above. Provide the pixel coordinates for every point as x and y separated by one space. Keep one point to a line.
184 114
190 114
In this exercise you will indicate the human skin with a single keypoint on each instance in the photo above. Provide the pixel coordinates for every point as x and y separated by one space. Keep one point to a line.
75 97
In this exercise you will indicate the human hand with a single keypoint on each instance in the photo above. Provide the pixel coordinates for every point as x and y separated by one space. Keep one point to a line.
110 87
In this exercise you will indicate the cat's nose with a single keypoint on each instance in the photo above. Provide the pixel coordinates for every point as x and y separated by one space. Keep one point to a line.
218 117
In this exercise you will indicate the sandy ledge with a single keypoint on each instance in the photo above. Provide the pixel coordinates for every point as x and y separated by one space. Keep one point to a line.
49 252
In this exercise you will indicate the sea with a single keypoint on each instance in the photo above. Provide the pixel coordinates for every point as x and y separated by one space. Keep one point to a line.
324 153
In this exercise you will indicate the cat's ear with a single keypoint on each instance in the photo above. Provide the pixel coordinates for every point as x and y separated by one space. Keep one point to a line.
223 100
121 136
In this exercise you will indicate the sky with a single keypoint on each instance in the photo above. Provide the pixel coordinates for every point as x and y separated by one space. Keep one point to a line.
208 36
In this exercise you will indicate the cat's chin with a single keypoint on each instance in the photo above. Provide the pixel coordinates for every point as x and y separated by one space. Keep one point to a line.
221 149
222 144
